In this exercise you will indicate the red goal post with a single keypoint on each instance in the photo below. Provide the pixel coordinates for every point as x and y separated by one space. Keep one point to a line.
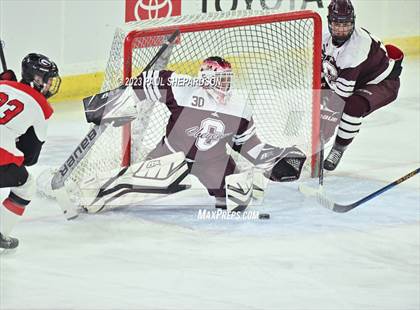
246 21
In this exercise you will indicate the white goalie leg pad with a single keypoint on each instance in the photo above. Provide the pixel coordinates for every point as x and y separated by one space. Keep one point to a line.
155 177
239 190
260 183
157 173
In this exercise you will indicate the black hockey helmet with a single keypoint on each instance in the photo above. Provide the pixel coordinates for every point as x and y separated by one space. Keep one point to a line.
41 73
341 19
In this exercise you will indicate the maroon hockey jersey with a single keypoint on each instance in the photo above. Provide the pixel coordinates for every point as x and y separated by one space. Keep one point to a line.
198 125
361 60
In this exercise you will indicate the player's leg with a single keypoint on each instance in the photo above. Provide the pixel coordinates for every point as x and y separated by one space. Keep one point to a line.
161 149
22 189
232 190
365 101
20 182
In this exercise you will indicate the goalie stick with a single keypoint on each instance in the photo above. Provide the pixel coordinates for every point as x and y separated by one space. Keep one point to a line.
343 208
59 178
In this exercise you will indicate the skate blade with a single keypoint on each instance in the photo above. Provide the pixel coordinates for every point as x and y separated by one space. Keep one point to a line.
7 252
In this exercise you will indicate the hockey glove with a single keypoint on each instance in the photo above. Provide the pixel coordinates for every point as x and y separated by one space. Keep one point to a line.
30 146
287 168
8 75
280 164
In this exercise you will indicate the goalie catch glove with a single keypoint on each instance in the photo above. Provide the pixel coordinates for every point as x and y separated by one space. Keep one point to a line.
280 164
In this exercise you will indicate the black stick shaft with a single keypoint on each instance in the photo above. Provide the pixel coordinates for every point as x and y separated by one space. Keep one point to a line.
2 58
161 50
345 208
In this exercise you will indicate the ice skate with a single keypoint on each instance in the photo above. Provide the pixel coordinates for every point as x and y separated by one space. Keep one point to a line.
8 242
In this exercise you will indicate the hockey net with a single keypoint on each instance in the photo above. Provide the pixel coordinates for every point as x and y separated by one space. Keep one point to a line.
275 57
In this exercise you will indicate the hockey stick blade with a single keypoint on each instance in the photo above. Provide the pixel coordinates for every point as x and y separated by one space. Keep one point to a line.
323 200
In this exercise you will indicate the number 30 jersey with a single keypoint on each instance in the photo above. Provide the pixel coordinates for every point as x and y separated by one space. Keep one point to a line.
21 107
198 125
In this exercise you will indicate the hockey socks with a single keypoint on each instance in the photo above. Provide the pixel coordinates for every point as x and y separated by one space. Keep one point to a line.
11 212
13 207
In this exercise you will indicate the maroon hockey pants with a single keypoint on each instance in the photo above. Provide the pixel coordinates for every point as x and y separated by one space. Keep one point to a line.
211 173
378 95
363 102
368 99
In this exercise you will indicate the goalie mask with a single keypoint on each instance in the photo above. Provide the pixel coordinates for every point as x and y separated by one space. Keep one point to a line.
341 19
217 74
41 74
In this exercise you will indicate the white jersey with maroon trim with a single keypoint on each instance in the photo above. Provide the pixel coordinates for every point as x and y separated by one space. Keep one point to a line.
20 108
198 125
361 60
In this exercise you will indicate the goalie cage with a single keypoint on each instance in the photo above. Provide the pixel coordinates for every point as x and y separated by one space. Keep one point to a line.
275 56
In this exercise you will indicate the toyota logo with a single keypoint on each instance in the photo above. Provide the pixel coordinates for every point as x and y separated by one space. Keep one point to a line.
152 7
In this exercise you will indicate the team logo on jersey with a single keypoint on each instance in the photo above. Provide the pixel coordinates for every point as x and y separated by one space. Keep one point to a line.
329 69
208 134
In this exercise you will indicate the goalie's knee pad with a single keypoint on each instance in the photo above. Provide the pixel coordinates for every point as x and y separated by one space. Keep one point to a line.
260 182
161 172
239 188
156 176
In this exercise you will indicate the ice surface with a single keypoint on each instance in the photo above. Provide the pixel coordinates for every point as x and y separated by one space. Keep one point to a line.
304 257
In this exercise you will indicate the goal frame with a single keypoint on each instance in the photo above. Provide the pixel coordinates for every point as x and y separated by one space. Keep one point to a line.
237 22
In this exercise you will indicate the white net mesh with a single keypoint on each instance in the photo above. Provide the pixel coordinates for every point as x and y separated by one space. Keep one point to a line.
272 59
